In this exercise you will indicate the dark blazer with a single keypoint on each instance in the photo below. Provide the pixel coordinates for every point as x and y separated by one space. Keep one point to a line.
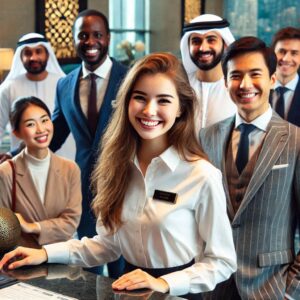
294 113
265 224
68 116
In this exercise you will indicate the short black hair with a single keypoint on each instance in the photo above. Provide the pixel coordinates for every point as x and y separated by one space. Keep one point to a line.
287 33
249 44
20 105
93 12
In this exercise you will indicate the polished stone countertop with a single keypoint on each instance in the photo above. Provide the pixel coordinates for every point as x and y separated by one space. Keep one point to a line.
75 282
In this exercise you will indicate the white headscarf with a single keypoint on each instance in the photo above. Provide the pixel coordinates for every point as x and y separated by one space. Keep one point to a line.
202 24
33 40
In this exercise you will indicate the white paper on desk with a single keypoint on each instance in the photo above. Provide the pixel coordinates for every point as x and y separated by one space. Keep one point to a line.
23 291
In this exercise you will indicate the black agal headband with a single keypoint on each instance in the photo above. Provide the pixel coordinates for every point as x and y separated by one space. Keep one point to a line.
205 25
31 41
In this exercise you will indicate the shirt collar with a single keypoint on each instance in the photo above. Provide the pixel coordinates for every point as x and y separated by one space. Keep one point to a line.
170 157
260 122
102 71
290 85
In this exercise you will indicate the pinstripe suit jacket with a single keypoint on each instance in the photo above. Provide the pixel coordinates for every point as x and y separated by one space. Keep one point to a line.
265 223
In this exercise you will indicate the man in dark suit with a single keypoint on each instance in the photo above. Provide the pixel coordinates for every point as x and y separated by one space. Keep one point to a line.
84 104
285 98
259 156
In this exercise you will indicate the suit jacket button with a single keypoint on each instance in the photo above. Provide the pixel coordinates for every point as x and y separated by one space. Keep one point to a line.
235 226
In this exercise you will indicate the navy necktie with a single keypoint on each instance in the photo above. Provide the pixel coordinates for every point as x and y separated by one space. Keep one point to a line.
243 149
279 108
92 114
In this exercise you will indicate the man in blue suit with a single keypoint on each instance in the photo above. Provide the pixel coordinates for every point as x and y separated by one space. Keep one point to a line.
74 112
285 98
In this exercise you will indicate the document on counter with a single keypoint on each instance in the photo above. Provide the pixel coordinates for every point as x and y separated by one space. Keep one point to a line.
24 291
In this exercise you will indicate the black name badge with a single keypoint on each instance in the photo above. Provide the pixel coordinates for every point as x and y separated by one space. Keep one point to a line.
165 196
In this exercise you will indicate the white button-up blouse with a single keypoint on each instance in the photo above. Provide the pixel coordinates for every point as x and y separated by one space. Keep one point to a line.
161 234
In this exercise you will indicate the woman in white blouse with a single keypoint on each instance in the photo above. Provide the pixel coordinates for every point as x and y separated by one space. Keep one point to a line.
159 202
47 198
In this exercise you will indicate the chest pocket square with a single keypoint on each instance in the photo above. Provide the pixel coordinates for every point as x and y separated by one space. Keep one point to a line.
276 167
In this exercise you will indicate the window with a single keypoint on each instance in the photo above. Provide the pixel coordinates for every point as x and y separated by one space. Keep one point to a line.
261 18
129 29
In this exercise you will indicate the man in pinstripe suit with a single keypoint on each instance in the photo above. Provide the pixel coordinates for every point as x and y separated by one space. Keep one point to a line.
261 175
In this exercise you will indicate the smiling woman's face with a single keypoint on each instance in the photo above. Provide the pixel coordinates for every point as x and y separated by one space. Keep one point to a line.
153 107
36 130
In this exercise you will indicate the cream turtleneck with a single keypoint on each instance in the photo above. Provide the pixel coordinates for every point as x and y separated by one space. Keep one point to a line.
39 169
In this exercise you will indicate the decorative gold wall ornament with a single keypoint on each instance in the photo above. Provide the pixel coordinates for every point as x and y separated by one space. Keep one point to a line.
192 9
59 18
55 18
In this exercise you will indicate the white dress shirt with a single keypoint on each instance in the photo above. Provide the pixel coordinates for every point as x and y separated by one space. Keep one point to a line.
288 95
160 234
102 73
256 137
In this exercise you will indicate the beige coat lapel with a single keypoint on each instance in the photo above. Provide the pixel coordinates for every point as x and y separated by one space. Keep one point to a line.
274 143
53 188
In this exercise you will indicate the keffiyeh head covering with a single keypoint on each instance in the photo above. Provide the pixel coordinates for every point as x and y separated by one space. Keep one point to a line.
202 24
33 40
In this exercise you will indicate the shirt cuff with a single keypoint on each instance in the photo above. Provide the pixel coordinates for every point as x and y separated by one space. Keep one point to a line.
179 283
287 296
58 253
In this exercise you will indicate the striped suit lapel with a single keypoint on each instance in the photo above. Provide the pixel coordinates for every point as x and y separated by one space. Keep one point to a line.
274 143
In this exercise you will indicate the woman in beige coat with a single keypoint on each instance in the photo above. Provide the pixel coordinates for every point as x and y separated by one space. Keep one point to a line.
48 192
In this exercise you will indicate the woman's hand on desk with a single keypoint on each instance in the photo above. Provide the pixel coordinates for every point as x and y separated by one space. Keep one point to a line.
139 279
23 257
28 227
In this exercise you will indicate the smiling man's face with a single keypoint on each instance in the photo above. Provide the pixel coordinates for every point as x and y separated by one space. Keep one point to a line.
248 82
91 41
206 50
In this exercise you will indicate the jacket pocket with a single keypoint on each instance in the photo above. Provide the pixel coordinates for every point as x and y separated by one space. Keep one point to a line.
275 258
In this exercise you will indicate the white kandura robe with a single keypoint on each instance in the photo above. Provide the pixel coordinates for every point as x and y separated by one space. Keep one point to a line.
214 102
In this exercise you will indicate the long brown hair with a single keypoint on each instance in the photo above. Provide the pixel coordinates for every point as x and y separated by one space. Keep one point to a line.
120 141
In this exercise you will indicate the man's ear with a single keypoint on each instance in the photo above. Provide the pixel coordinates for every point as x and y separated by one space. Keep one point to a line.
16 133
273 80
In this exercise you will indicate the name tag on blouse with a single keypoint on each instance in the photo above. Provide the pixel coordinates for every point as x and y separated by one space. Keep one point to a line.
165 196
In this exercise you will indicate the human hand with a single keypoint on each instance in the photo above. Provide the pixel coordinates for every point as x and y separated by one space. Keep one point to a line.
4 157
26 226
139 279
29 273
22 257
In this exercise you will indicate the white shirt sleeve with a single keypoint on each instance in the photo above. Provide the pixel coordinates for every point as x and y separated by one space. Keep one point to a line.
87 252
5 105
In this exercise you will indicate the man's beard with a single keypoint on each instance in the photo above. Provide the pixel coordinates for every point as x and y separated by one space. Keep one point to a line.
207 66
36 70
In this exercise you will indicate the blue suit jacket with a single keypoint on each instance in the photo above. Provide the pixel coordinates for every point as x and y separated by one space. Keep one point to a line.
68 116
294 112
